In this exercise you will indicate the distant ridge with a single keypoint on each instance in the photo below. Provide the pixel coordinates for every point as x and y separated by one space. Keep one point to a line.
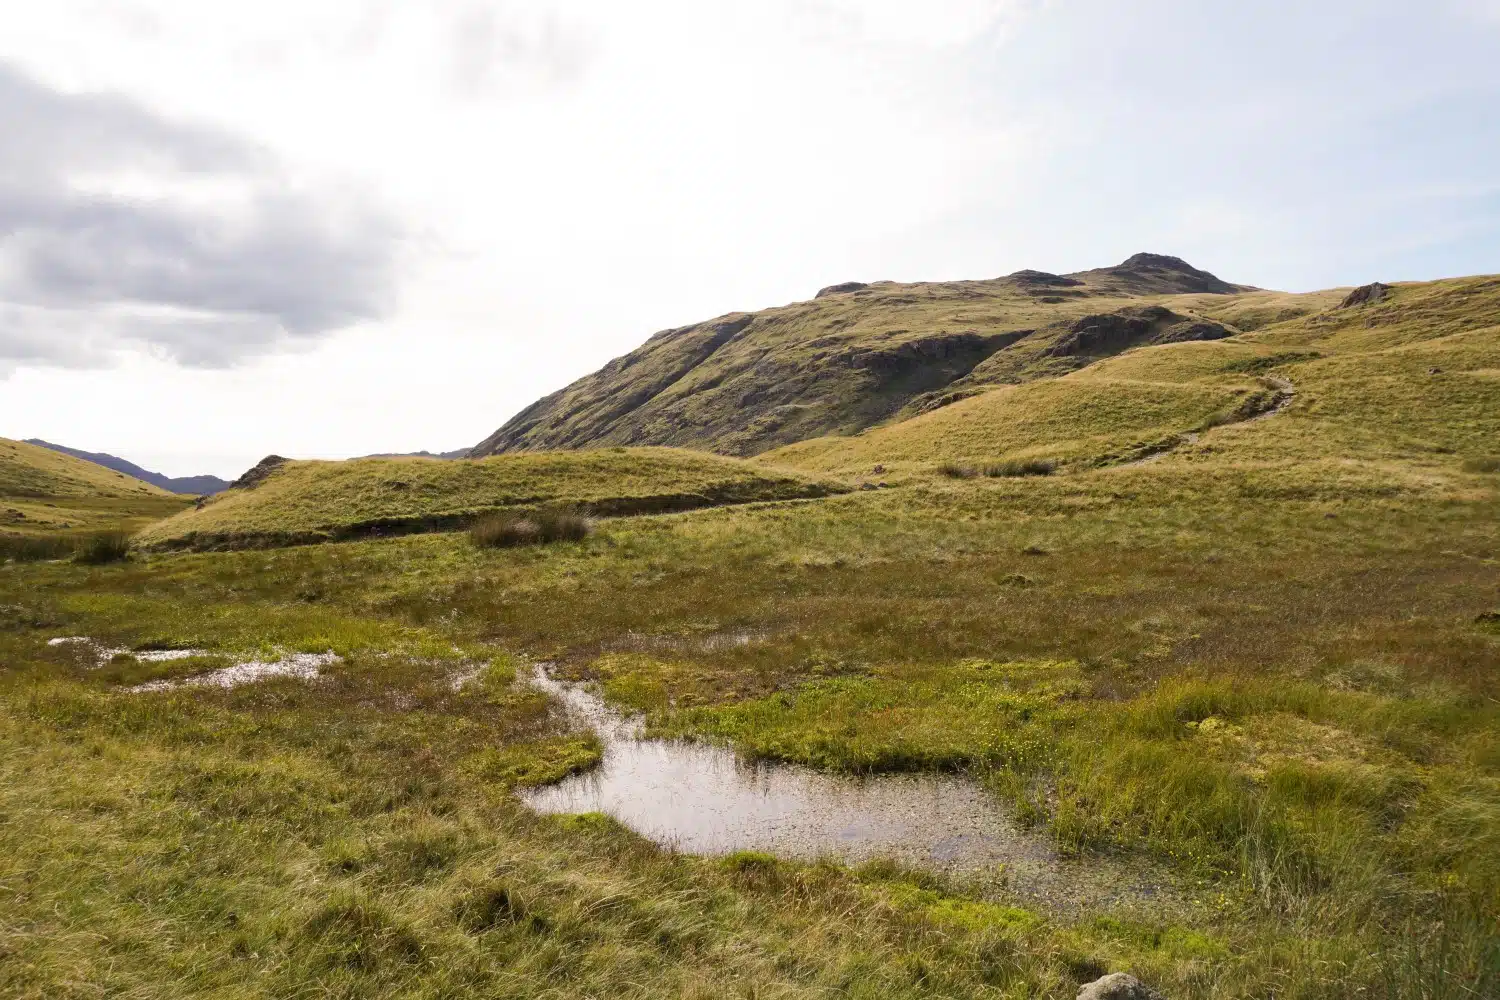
199 485
460 453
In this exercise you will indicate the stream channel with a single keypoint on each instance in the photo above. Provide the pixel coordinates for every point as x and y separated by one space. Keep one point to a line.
702 799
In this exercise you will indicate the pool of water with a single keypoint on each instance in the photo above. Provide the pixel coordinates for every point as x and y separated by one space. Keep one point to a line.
703 799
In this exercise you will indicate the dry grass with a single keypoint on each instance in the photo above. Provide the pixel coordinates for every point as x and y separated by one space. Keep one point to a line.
303 502
506 531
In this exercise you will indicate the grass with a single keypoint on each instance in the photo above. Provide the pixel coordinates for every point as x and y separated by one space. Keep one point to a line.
104 547
1266 664
746 383
504 531
1021 467
45 494
303 502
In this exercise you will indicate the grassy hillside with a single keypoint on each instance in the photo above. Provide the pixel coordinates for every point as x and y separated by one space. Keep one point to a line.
44 492
1261 669
859 354
1415 376
300 502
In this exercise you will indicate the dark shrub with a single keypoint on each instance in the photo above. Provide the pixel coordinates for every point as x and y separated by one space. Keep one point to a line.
1022 467
507 531
105 547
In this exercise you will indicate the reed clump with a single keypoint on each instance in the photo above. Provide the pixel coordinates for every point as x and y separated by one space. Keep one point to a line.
508 531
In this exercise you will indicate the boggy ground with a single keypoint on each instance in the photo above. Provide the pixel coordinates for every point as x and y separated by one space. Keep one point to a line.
1278 681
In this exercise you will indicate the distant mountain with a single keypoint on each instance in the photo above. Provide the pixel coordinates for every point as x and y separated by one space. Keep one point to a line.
182 484
860 354
460 453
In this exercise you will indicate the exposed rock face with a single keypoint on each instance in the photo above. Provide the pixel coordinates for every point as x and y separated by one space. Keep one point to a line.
846 286
259 473
1118 986
1110 333
1365 295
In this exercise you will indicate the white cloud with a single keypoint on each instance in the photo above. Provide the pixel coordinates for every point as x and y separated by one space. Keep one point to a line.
120 227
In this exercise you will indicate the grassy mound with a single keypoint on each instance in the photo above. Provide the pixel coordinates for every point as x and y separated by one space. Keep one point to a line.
304 502
45 495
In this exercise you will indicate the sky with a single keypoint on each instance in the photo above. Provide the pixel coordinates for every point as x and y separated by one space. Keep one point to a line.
352 226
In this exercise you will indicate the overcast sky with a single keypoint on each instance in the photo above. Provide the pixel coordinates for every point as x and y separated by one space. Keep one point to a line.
331 228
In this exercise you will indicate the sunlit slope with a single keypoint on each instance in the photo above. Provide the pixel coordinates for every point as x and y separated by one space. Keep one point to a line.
859 355
1413 376
42 491
301 502
1076 419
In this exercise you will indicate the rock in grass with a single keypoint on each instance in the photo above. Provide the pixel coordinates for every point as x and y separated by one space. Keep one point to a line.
1117 986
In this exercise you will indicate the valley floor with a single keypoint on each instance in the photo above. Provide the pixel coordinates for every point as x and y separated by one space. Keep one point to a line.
1277 682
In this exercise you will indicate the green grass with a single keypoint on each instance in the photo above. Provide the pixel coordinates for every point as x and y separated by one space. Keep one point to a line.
302 502
1265 663
45 494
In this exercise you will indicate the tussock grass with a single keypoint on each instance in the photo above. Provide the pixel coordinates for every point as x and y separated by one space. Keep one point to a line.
1021 467
1488 463
33 548
505 531
103 547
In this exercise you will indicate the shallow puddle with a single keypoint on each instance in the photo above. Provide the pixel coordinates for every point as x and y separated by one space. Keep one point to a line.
702 799
303 666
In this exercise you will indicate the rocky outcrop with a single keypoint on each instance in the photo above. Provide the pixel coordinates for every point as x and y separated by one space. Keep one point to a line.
846 286
1118 986
1042 279
1365 295
1110 333
259 473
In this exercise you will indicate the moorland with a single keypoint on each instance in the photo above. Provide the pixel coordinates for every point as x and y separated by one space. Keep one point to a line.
1190 577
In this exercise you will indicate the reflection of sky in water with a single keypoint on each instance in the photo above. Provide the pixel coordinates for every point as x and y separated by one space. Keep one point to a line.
703 800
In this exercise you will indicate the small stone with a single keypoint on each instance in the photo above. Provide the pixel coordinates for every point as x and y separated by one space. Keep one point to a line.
1117 986
1434 371
867 486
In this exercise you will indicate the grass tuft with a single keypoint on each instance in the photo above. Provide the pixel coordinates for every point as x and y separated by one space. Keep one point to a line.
508 531
955 470
1487 463
1021 467
104 547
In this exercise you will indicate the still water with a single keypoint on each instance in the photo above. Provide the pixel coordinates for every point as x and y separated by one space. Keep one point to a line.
702 799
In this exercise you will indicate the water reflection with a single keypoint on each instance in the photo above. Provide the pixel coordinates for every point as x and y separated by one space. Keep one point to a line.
702 799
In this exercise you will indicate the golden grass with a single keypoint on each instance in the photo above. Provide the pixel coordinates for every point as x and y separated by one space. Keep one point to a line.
319 501
43 492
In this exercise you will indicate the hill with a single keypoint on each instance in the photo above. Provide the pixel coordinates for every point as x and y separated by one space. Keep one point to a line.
1411 375
859 354
283 502
193 485
43 492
